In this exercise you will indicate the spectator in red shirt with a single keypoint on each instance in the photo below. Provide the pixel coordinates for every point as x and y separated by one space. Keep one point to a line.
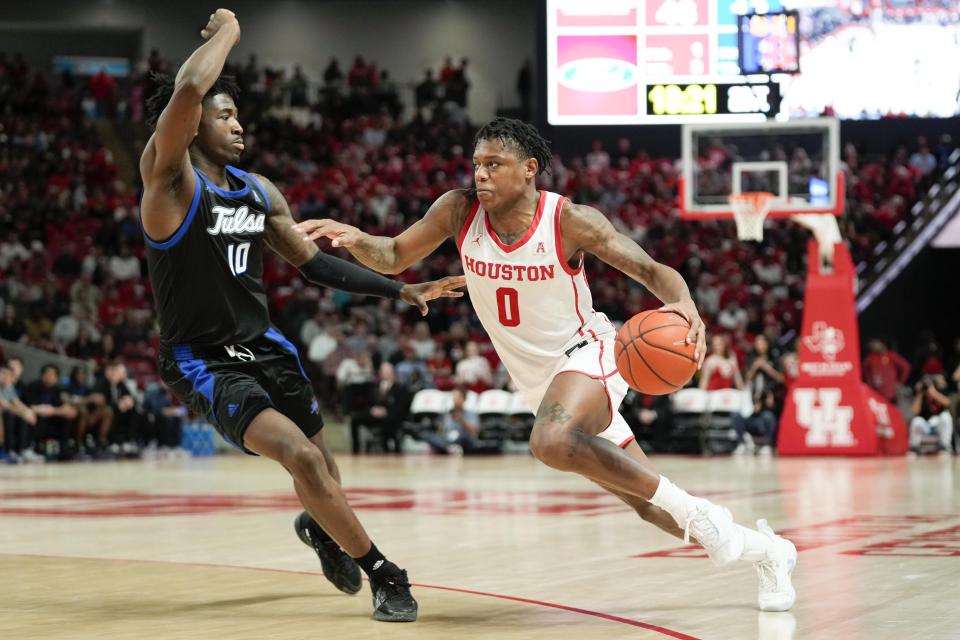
884 370
103 88
720 368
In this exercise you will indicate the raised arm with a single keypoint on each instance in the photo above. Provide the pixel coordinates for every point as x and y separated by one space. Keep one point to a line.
443 220
165 163
330 271
584 228
737 378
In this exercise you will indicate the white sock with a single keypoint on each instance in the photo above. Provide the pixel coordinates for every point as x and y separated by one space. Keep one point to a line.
755 545
673 500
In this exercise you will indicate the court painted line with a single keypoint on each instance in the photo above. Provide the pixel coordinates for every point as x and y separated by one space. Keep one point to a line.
587 612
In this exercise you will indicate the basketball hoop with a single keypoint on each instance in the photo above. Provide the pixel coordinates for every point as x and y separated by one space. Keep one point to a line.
750 209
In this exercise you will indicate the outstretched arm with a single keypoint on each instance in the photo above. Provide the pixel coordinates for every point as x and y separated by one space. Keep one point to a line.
586 229
330 271
165 163
394 255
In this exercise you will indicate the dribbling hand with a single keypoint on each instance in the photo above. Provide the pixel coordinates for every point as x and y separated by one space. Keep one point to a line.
219 19
688 311
419 294
342 235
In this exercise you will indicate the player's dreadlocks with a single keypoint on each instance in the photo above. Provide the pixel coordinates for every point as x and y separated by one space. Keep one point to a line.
523 137
165 84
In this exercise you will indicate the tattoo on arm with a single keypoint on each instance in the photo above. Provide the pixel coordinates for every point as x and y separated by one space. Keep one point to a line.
593 233
377 252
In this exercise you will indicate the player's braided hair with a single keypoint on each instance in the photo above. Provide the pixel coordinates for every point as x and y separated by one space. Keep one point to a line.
523 137
165 84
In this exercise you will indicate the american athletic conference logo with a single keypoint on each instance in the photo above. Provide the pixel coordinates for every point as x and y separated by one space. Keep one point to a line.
829 342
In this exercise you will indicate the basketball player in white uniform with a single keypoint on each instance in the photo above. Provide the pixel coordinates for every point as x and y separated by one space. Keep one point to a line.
522 254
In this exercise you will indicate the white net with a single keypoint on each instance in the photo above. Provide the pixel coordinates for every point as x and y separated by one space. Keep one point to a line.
750 209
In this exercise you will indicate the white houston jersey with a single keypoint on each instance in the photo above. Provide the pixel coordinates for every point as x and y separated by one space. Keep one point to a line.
534 306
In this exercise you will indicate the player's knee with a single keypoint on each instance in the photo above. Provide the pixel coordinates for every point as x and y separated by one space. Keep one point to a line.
305 460
554 446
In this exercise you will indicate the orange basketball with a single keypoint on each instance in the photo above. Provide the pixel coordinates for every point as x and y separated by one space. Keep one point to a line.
652 353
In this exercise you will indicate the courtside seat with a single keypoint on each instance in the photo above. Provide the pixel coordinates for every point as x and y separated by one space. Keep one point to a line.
519 419
493 409
427 410
719 435
689 413
470 402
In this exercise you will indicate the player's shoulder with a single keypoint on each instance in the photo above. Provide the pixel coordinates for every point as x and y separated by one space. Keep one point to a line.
576 218
265 182
453 207
270 190
457 199
262 179
577 210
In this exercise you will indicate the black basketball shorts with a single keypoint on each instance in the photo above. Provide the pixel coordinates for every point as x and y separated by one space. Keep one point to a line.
230 385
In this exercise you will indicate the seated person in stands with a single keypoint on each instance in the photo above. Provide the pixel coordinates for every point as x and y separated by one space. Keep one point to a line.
390 402
762 423
651 420
763 379
931 416
459 428
94 417
473 372
120 395
56 416
16 421
355 382
162 420
720 368
440 368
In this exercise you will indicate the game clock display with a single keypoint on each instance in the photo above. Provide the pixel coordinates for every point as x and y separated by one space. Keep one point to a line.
713 98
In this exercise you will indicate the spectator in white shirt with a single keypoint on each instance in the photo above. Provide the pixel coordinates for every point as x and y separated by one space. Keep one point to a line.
124 266
473 372
423 344
733 317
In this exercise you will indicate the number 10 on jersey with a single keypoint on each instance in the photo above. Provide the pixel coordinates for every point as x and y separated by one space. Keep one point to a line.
237 257
508 307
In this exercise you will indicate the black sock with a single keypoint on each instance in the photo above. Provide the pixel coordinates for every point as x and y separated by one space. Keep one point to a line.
375 565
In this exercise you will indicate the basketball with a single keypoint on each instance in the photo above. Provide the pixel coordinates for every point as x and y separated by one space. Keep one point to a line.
652 354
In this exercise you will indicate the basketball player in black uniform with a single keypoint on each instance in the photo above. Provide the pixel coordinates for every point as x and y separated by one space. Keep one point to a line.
206 223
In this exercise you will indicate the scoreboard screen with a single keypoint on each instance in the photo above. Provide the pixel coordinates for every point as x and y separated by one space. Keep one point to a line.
649 62
675 61
769 43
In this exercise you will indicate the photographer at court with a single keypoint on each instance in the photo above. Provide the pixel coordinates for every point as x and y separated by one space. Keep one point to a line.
931 415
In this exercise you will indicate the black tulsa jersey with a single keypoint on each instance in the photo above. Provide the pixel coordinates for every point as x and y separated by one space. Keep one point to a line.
208 276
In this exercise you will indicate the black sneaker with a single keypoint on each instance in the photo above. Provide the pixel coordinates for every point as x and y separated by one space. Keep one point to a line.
392 601
339 568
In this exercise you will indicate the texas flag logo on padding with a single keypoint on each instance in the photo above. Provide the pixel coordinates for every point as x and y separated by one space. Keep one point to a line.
825 340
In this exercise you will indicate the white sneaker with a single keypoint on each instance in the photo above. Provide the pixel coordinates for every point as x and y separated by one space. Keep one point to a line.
31 456
713 527
741 449
765 450
776 588
749 443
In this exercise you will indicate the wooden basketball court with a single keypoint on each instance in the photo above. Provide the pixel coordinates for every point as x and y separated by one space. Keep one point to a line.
499 548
